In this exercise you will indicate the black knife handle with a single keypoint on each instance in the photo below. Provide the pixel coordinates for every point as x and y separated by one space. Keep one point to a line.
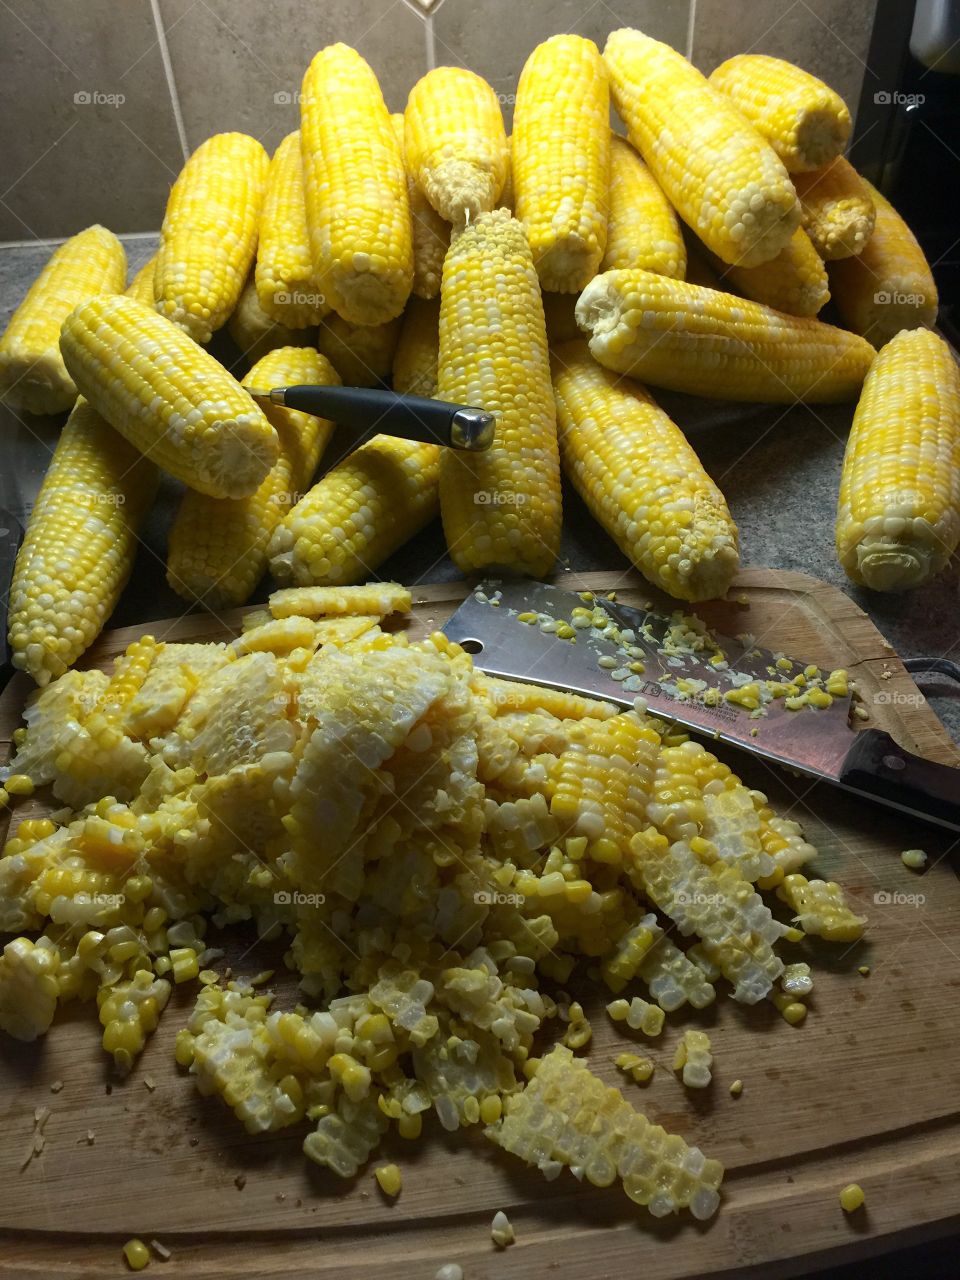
374 410
878 766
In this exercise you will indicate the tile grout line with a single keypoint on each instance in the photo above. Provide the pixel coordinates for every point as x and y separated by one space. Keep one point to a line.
431 48
691 22
50 242
170 78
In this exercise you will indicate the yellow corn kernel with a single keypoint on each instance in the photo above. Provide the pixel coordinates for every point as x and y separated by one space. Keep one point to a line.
560 160
352 1075
358 214
736 1088
790 1009
19 784
185 964
418 349
915 859
388 1179
638 1068
209 235
141 286
410 1126
33 375
491 1108
137 1254
838 683
455 143
642 230
838 211
714 167
852 1197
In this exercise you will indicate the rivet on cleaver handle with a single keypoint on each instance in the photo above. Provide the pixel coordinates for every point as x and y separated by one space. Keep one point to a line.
374 410
877 766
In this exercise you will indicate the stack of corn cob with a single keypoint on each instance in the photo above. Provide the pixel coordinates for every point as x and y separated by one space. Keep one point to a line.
438 855
341 243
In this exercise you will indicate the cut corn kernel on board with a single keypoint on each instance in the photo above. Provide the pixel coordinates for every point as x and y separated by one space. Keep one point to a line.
866 1090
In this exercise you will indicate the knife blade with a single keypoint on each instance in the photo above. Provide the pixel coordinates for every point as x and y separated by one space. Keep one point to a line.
819 743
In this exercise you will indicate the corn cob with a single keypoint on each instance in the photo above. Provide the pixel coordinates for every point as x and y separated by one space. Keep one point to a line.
80 544
507 195
141 286
560 160
692 339
32 373
218 546
358 213
500 508
838 211
370 504
889 286
455 143
898 521
566 1116
821 909
286 287
418 350
169 398
362 354
431 232
641 479
720 175
209 235
372 598
642 228
804 120
255 333
795 281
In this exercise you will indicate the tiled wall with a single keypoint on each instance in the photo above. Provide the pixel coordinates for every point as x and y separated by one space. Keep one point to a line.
102 99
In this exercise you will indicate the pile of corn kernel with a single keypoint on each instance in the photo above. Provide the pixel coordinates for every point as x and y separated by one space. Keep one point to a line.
438 856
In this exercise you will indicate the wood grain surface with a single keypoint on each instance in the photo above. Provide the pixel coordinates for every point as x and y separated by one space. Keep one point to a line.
866 1090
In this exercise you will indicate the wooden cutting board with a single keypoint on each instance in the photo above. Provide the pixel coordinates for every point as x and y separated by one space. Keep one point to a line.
866 1090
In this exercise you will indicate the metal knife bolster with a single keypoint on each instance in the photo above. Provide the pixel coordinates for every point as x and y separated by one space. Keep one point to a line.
375 410
818 743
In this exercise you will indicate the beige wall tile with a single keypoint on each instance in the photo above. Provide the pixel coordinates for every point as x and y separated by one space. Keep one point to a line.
238 64
829 38
68 160
495 37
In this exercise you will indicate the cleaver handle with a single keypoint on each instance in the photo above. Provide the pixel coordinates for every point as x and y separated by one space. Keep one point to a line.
879 767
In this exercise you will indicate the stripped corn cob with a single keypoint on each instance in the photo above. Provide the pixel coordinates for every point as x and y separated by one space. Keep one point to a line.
500 508
804 120
719 174
183 410
889 286
355 186
286 287
255 333
455 142
560 160
642 229
209 235
688 338
513 695
641 479
80 544
838 211
795 281
218 546
141 286
567 1116
898 521
418 349
370 504
32 373
821 909
362 354
431 232
372 598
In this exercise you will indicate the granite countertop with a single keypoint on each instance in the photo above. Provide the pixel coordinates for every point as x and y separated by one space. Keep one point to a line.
779 468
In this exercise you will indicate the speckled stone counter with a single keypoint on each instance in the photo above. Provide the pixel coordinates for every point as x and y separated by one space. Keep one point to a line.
779 468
